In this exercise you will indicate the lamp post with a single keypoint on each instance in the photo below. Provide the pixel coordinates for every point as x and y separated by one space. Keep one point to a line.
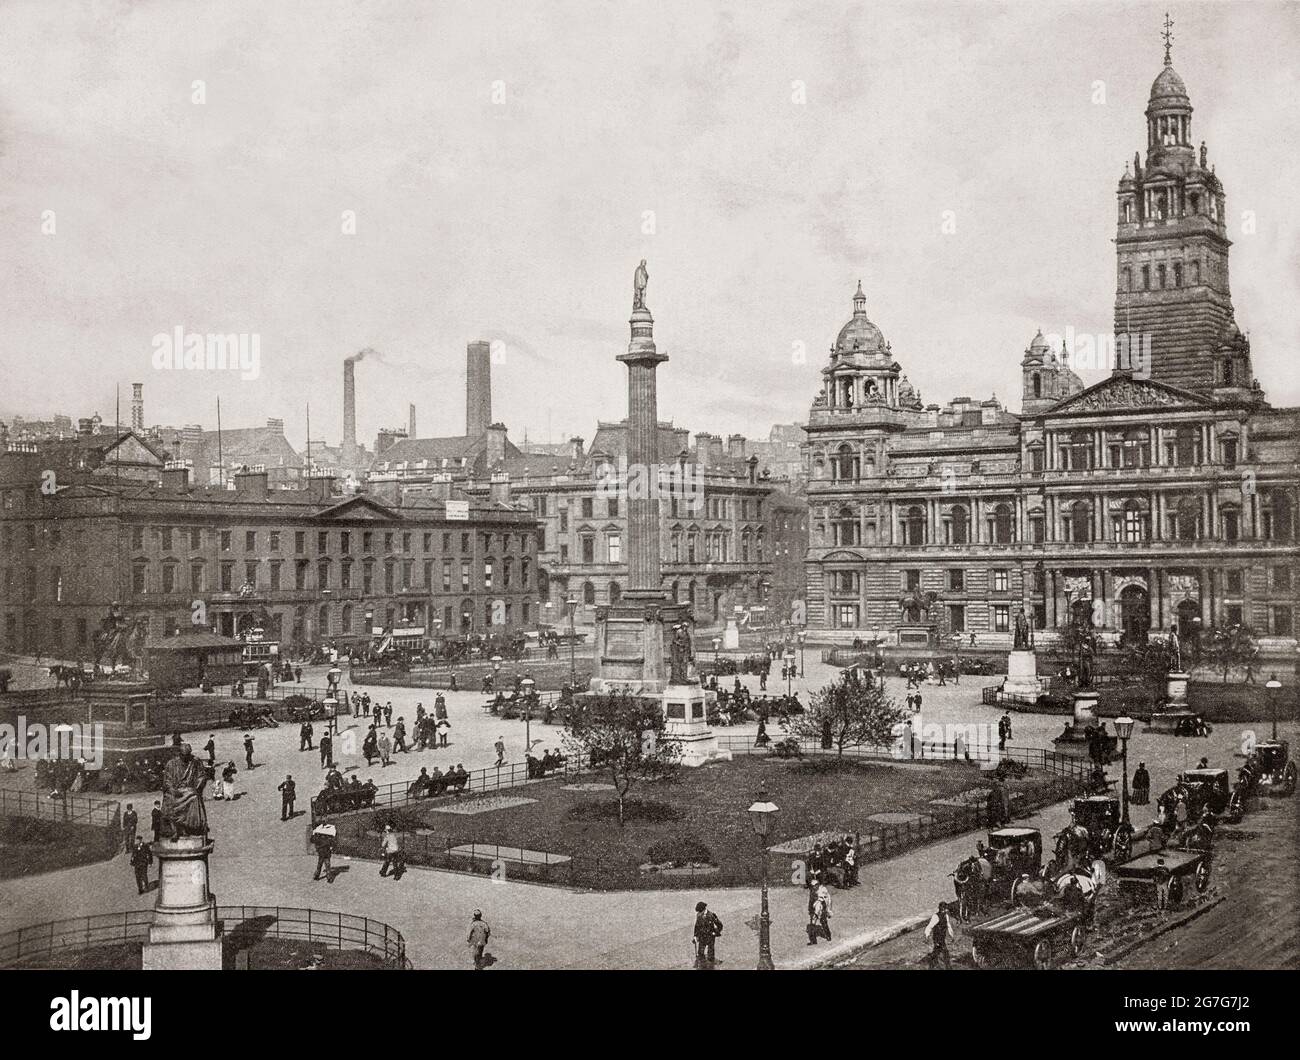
789 670
761 814
571 606
1124 729
1274 686
716 642
802 635
528 684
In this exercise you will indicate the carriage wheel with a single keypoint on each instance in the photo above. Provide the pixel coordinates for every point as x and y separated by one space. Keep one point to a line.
1123 844
977 955
1015 890
1076 940
963 907
1202 876
1042 955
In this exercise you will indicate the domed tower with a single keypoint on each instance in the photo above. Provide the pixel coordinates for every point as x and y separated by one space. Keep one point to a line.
862 371
1047 379
1172 299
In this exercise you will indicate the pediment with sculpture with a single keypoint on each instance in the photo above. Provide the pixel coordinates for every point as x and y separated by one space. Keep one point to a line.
1123 393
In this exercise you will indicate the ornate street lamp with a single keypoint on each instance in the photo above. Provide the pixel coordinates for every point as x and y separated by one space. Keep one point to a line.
716 642
802 635
528 684
761 815
1124 729
1274 686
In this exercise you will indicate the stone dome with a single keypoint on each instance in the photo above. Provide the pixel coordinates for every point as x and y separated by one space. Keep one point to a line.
860 335
1168 87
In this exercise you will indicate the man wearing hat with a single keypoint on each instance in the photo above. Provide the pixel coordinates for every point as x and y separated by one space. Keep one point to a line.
938 932
707 929
391 846
288 792
479 933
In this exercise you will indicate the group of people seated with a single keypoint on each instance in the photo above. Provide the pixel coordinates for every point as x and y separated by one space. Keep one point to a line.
835 863
539 767
252 718
427 784
66 776
340 796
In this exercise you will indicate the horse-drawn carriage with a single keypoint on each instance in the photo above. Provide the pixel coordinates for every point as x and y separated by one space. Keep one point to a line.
1097 830
1191 864
1049 918
1178 723
1013 855
1206 789
1270 769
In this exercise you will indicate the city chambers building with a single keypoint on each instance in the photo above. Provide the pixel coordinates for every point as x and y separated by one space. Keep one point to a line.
1162 497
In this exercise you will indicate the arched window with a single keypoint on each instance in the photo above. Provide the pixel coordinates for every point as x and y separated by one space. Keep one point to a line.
846 463
615 593
914 526
588 593
959 527
346 619
324 620
1038 385
1001 524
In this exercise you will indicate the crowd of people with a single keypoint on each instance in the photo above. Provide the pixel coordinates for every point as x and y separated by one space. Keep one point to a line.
548 763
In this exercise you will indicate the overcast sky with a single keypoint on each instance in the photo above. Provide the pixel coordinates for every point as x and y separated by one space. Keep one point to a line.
522 220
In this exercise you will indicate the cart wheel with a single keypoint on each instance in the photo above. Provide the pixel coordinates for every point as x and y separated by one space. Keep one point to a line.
1123 845
1202 876
1175 890
1042 955
963 907
1076 940
977 955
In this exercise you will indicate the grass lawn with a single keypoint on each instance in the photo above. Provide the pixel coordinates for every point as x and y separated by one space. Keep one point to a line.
814 796
29 846
273 954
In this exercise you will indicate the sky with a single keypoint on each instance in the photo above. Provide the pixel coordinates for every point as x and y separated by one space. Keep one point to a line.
186 164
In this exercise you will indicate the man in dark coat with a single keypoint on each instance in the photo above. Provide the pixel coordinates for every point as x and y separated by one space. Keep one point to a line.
248 751
326 750
141 858
304 737
288 791
156 821
130 822
707 929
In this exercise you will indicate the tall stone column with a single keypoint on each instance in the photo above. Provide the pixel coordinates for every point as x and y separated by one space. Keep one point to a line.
643 360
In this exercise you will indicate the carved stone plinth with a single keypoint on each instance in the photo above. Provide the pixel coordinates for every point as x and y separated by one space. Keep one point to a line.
686 714
185 933
1022 679
1074 740
1176 691
633 643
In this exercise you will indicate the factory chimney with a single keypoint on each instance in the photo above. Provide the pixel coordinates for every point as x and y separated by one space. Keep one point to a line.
137 407
349 445
410 431
478 388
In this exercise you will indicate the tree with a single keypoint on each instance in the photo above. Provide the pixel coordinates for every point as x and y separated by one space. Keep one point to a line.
622 735
853 710
1225 648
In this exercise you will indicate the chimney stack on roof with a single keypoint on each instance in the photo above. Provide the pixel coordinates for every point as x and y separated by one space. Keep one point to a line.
478 388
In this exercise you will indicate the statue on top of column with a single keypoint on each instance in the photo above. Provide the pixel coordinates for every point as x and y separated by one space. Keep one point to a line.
639 281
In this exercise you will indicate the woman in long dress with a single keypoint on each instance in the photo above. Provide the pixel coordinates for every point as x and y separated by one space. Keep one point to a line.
228 781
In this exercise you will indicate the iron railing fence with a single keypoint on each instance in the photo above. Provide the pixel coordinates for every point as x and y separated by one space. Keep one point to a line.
245 926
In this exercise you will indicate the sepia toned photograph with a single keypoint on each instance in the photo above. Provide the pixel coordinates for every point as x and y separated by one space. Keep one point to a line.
626 487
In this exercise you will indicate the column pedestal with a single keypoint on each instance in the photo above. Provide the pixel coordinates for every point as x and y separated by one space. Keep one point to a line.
185 934
686 724
1022 679
1074 740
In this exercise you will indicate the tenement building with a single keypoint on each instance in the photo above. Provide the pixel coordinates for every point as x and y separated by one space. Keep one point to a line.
307 565
1163 497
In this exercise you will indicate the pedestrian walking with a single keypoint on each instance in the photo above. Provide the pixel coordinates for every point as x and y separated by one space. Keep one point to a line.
156 821
707 931
288 789
297 675
388 714
326 751
141 858
399 736
130 822
500 747
479 933
370 746
305 735
938 932
211 748
323 838
390 846
444 728
248 751
819 914
385 747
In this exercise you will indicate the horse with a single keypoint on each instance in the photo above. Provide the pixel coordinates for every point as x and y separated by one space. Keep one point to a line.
967 883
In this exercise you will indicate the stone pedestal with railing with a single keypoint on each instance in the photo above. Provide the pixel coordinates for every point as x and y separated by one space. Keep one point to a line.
185 934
